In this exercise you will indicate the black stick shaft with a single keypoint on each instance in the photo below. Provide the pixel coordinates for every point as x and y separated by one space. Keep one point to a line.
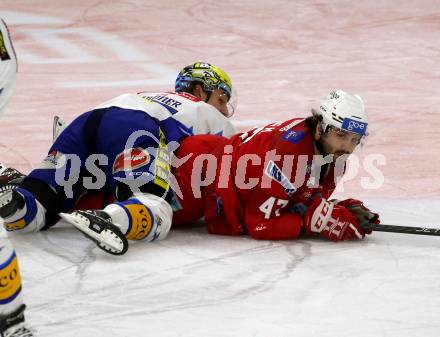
407 230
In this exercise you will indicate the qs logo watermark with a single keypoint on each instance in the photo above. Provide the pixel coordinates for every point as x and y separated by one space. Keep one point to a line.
156 164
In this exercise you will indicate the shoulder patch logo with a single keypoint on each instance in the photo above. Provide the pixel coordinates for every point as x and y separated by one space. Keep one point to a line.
293 136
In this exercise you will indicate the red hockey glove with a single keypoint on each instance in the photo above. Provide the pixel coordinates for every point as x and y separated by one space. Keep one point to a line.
334 222
365 218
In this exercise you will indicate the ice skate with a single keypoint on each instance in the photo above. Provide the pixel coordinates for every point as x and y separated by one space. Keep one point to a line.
10 202
10 178
19 330
14 325
97 226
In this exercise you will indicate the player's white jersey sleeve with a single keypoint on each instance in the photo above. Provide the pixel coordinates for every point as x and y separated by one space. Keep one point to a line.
196 115
211 121
136 102
8 66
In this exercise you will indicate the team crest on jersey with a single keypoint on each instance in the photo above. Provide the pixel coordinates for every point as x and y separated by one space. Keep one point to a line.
131 159
293 136
275 173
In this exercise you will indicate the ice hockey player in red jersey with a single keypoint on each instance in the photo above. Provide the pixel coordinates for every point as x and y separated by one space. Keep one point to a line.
275 182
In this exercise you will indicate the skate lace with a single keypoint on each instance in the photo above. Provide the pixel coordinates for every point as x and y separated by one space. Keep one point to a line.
10 172
9 178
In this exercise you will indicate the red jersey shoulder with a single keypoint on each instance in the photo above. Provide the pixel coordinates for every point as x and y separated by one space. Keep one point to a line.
267 134
199 144
294 137
279 147
291 137
292 153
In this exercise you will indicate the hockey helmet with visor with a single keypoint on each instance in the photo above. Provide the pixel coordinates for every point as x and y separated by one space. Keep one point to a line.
210 78
345 112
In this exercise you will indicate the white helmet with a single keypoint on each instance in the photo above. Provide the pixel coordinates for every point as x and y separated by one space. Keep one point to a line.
344 111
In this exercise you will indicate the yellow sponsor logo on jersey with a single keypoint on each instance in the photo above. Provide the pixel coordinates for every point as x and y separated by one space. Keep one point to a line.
10 280
141 221
162 164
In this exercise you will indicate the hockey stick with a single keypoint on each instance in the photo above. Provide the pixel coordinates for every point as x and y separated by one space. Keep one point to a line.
407 230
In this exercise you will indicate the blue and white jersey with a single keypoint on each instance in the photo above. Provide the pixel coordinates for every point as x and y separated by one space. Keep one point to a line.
197 116
133 135
8 66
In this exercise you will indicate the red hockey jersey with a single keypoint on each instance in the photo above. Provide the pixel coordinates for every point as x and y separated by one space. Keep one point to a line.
263 181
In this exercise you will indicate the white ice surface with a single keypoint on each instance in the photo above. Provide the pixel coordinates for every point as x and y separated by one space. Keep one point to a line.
282 56
196 284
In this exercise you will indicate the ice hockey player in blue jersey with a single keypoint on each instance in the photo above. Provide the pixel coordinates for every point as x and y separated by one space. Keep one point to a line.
124 146
12 322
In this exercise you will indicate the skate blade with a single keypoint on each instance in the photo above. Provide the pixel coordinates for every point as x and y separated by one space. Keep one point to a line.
106 240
